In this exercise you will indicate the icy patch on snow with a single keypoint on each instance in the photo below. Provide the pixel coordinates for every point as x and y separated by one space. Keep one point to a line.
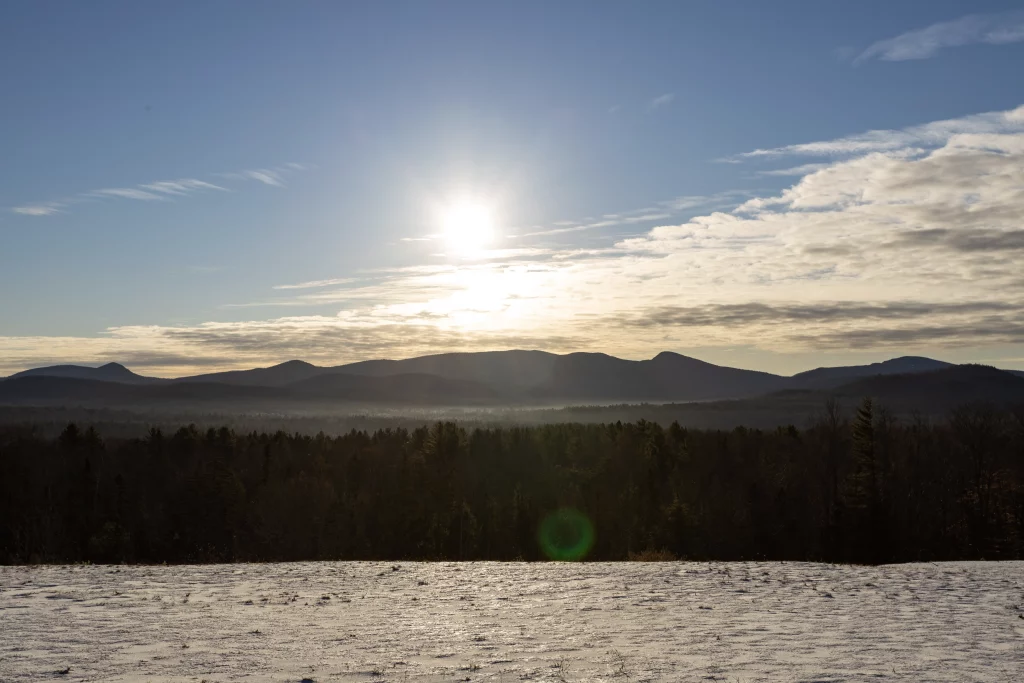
505 622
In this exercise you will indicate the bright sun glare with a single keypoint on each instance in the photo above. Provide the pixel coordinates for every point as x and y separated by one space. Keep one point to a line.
468 227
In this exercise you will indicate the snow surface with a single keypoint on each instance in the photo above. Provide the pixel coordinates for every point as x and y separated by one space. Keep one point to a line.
505 622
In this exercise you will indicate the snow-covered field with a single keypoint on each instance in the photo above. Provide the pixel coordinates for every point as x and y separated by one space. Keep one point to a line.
506 622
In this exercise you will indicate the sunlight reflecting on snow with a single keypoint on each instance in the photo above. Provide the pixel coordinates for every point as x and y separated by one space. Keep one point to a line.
511 621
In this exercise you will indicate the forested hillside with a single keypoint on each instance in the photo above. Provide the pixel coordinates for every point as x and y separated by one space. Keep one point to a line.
863 487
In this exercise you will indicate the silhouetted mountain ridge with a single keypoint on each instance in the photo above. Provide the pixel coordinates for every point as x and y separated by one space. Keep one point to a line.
825 378
513 368
666 377
278 375
111 372
404 389
507 378
967 383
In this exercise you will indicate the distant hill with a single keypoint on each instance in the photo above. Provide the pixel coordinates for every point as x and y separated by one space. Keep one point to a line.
933 394
534 375
537 375
274 376
496 368
953 385
828 378
666 377
327 388
111 372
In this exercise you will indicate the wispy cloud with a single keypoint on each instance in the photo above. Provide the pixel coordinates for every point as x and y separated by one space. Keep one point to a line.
318 283
801 170
558 231
127 193
660 101
993 29
274 176
265 176
718 200
643 216
38 210
163 190
661 211
181 187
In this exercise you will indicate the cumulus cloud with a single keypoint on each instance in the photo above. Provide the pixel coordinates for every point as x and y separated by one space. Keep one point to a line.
904 245
997 241
849 325
992 29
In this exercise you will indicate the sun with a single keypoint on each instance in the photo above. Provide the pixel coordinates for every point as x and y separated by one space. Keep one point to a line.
468 227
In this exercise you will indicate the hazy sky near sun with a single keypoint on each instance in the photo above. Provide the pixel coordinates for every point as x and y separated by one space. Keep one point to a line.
191 186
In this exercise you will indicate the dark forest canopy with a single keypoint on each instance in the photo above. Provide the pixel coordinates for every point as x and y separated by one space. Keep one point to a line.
865 487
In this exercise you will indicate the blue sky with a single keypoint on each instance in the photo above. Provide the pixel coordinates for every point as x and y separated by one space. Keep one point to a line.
171 172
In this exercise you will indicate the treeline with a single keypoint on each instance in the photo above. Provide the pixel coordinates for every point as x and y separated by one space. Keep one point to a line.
858 488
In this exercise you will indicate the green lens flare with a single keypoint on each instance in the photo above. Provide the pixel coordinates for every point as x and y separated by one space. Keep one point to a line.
566 535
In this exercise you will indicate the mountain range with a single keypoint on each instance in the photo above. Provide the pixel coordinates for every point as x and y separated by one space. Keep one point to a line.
506 378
